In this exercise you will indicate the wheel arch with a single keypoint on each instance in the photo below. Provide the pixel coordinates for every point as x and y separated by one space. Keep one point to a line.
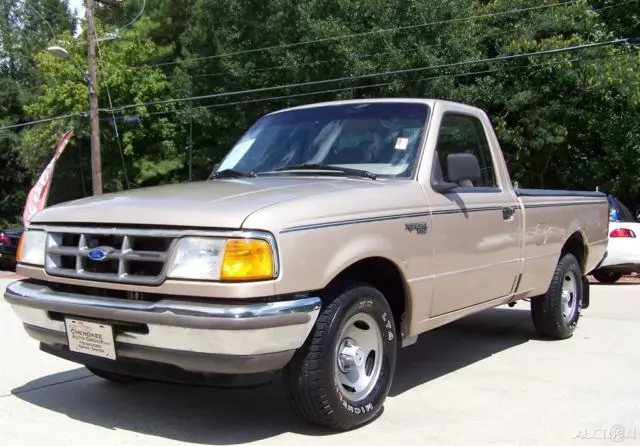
384 274
576 245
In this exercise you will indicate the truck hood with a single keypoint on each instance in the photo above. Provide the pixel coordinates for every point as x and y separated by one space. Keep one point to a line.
223 203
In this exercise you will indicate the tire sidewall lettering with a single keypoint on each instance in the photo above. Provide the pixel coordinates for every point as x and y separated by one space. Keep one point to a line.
383 316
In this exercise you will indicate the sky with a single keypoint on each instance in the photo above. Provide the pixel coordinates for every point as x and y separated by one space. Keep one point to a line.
79 5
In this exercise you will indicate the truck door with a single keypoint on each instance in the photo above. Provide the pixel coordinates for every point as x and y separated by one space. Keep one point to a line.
477 226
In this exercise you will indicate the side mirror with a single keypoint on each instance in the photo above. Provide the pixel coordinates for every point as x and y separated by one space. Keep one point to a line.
463 167
460 167
443 187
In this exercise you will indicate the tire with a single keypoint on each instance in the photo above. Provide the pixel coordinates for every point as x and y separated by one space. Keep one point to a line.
551 316
606 276
111 376
314 378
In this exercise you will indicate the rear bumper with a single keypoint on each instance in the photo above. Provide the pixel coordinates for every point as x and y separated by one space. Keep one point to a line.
194 336
621 258
623 253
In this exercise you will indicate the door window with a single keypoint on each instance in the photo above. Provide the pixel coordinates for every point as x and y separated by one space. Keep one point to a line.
464 134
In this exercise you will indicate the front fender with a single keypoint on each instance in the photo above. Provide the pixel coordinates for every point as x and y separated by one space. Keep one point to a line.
311 259
360 248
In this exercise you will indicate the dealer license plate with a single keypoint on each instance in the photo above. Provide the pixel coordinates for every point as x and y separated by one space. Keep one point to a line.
90 338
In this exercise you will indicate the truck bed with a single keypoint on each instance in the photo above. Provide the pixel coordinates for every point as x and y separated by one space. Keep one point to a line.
558 193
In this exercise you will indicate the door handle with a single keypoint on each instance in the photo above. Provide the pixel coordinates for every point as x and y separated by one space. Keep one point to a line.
507 212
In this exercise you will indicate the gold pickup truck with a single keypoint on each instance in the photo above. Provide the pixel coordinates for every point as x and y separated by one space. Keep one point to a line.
330 236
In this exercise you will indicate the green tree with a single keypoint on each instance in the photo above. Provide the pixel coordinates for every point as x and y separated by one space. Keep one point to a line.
560 118
149 152
25 29
564 120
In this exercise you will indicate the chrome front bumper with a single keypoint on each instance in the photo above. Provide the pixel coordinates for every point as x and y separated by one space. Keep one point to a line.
194 336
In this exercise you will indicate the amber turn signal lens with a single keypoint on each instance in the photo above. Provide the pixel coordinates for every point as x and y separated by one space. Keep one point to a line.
247 259
19 249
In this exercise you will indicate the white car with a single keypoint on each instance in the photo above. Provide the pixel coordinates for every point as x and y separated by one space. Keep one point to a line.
623 250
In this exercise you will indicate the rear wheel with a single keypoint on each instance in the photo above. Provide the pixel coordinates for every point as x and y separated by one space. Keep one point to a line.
341 377
606 276
556 313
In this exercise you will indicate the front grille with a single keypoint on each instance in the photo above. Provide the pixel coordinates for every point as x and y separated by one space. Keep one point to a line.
134 258
91 291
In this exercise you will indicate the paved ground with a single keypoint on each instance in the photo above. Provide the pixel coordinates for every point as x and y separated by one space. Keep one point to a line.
483 380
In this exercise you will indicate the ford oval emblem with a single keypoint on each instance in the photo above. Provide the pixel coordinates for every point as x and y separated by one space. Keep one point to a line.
97 254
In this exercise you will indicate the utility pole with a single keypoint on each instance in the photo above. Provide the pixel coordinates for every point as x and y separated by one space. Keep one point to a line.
96 158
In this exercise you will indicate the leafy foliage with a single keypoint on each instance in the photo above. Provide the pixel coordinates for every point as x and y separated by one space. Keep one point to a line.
564 120
25 27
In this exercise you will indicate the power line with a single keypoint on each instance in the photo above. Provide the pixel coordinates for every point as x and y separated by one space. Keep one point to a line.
325 81
373 75
131 22
115 124
53 34
361 87
135 19
52 12
311 63
366 33
615 5
40 121
357 57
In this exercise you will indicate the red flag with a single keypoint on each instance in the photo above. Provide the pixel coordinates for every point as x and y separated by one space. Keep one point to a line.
40 191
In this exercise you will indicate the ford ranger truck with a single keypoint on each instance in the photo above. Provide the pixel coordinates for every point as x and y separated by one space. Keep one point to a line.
330 236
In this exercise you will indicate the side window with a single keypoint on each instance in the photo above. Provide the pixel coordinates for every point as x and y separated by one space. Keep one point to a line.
627 216
465 134
614 214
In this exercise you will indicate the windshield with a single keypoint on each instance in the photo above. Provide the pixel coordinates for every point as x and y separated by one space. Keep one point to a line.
382 138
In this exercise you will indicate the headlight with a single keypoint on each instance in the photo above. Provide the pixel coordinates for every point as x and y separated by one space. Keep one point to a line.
222 259
31 248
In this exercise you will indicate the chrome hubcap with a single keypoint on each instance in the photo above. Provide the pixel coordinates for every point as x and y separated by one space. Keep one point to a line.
358 357
350 356
569 296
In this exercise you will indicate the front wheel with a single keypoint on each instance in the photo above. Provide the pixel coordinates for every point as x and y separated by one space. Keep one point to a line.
340 378
556 313
606 276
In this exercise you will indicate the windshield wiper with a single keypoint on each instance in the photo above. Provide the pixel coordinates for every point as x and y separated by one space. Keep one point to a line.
344 170
230 173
